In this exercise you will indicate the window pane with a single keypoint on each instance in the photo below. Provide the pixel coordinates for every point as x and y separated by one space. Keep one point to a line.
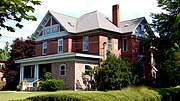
62 70
60 45
85 43
124 45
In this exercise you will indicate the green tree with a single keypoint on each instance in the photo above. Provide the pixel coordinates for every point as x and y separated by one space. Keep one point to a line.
16 10
20 49
4 53
167 24
113 74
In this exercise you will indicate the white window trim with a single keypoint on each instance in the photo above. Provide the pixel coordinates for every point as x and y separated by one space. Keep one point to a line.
126 45
64 70
84 43
44 48
59 45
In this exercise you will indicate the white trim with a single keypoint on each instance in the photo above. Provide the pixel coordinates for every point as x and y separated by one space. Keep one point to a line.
53 35
64 70
21 73
58 56
60 45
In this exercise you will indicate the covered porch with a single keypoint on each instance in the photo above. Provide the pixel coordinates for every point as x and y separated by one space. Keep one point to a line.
35 72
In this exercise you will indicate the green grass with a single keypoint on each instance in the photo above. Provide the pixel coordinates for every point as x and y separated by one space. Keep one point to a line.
130 93
14 95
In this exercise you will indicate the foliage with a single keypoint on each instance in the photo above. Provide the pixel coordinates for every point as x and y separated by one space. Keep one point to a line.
47 76
19 49
167 24
128 94
52 85
4 55
133 93
114 73
16 10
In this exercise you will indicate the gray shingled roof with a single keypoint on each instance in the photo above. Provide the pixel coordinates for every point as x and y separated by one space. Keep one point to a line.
89 21
130 25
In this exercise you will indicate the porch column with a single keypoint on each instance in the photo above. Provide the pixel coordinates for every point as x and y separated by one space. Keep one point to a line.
21 74
36 72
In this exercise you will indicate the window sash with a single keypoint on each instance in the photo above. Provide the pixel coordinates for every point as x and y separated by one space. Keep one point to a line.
62 70
125 44
60 45
85 43
44 51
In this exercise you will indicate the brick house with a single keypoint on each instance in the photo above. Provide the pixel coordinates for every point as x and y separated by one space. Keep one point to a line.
66 46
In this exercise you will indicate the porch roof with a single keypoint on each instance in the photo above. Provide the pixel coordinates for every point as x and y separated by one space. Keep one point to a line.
58 57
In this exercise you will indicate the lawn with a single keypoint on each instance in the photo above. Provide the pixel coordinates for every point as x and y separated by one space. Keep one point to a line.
130 93
9 95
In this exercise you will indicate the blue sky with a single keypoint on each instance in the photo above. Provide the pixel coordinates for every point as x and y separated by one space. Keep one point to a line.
129 9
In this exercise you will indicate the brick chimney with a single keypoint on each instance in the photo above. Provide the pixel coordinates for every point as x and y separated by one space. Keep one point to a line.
115 15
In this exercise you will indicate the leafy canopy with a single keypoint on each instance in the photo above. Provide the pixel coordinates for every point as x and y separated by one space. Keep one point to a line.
113 74
167 24
16 10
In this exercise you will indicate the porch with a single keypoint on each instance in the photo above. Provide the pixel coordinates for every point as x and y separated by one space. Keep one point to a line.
31 74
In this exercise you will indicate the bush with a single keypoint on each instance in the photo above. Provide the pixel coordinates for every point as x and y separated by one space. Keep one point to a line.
127 94
47 76
113 74
52 85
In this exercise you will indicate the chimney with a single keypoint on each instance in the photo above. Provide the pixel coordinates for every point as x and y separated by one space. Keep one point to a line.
115 15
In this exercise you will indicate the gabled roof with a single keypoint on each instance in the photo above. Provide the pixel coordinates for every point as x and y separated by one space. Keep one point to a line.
130 25
87 22
68 22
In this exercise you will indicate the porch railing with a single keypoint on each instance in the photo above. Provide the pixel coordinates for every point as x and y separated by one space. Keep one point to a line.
30 85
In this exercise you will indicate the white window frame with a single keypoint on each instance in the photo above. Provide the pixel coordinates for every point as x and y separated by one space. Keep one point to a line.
60 51
44 46
60 70
123 45
85 43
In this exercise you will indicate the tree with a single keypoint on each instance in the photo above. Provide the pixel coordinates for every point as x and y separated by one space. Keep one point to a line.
167 24
16 10
4 53
19 49
113 74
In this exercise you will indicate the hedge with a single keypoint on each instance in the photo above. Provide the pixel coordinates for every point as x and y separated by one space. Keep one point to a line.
52 85
127 94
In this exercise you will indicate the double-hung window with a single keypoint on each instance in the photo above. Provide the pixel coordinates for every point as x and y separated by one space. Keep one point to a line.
125 45
62 70
44 48
60 45
85 43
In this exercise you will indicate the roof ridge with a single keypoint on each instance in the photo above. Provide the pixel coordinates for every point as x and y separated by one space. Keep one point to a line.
133 19
62 14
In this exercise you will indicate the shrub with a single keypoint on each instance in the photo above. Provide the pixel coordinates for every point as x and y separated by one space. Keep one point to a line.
47 76
113 74
52 85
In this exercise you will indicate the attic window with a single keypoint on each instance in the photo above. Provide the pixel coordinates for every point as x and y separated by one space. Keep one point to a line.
70 24
126 25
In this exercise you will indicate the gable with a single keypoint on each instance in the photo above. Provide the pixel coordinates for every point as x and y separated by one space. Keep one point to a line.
49 28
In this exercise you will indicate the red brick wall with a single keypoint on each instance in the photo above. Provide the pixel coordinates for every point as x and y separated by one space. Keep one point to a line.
38 49
69 79
52 47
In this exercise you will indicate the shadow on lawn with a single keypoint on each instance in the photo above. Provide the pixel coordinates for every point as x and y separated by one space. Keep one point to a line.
169 94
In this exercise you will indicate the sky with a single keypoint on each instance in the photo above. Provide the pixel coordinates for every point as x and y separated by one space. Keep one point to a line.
129 9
